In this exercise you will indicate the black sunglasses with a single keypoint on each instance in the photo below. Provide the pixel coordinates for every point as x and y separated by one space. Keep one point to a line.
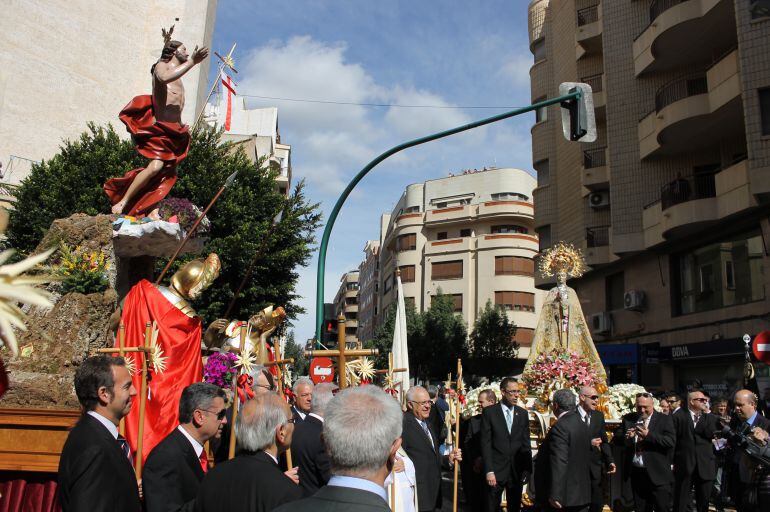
220 415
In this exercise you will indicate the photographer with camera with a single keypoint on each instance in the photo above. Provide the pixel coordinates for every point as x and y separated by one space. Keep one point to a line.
746 427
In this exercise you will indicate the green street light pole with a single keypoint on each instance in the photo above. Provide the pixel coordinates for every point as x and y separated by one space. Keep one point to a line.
574 96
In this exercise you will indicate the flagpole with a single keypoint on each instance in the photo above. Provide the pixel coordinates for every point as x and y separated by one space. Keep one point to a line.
220 68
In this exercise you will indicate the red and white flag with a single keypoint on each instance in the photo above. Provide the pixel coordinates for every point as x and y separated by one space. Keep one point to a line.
229 84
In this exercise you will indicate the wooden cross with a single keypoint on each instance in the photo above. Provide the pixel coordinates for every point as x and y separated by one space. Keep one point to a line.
390 371
226 61
146 350
342 354
460 389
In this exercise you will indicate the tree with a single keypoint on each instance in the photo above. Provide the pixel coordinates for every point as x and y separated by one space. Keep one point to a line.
491 345
72 180
444 338
301 364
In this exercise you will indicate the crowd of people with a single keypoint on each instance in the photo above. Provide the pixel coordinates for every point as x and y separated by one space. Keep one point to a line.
358 449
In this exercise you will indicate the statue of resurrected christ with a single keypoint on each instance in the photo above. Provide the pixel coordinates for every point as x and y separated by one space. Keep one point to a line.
155 125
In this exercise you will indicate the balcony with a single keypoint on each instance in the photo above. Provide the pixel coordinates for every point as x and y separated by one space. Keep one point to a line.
451 215
496 209
597 87
694 112
507 241
449 245
596 174
409 219
589 31
597 246
668 41
691 204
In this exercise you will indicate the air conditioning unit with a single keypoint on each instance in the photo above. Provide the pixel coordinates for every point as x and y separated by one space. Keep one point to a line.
601 323
599 199
634 300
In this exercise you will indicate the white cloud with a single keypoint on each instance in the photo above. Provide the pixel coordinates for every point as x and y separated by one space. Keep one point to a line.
515 68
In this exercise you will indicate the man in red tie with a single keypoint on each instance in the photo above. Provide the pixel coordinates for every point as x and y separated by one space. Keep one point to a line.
176 466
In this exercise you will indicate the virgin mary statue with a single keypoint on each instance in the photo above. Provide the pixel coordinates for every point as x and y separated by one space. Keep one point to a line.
562 327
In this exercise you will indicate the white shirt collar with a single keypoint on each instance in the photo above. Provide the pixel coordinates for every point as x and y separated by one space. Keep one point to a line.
583 412
358 483
194 442
301 414
511 408
272 456
107 423
316 417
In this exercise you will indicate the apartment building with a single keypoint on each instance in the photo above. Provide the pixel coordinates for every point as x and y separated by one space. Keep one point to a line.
671 202
346 303
368 291
470 236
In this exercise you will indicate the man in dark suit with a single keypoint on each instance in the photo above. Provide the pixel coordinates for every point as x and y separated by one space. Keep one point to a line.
303 399
95 469
309 453
505 448
252 481
362 429
562 480
694 457
176 466
649 439
421 444
745 419
472 467
764 404
601 453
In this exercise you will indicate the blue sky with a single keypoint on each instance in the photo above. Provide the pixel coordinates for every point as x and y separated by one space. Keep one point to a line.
441 52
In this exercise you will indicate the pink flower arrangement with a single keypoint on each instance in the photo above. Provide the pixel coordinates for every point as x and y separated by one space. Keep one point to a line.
562 368
220 369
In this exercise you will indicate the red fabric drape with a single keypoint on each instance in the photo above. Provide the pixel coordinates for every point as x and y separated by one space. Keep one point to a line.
28 492
180 339
156 140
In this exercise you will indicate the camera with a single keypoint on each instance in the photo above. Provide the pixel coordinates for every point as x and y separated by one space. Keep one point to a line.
741 439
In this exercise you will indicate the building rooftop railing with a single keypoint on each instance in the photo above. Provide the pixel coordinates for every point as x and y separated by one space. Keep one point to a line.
587 15
595 81
680 89
598 236
682 190
596 157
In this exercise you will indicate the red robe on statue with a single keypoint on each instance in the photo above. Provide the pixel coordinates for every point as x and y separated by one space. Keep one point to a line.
156 140
180 339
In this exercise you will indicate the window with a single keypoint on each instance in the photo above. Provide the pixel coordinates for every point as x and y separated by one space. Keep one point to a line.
514 266
457 302
447 270
764 100
543 172
407 273
614 289
412 209
544 235
351 301
386 283
509 228
351 315
465 233
541 114
524 336
516 301
759 9
441 205
406 242
351 331
538 50
509 196
718 275
351 286
442 235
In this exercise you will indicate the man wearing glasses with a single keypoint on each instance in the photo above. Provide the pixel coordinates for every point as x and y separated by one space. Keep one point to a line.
694 459
601 454
505 448
177 465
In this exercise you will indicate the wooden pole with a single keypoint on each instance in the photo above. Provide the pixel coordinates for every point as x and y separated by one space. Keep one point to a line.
231 448
142 402
121 347
341 346
279 371
457 431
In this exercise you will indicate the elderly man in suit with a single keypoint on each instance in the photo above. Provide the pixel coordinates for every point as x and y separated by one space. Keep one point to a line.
362 432
746 419
307 445
649 438
601 453
252 481
95 468
694 457
303 398
176 466
505 448
562 479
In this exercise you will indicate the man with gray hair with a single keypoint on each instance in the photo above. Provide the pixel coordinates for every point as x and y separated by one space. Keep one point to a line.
307 445
252 481
303 398
362 432
562 468
176 466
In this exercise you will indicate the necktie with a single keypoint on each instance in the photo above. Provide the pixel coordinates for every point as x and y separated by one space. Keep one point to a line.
587 420
125 448
695 420
427 432
508 418
204 458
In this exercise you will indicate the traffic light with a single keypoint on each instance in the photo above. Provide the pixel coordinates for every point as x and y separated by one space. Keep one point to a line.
329 328
577 114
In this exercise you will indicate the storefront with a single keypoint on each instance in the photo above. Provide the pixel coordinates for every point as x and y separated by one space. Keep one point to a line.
716 366
620 362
